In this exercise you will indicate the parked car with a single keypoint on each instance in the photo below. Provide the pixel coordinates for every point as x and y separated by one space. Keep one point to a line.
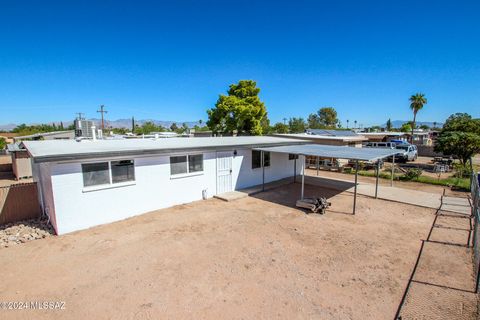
409 152
390 145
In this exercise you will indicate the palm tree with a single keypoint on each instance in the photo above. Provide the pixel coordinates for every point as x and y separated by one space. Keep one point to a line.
355 124
347 123
416 104
434 125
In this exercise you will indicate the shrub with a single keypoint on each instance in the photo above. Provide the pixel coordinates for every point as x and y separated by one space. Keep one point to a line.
413 173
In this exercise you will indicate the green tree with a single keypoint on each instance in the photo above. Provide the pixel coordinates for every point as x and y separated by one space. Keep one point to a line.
280 127
174 127
3 143
148 127
389 125
406 127
324 118
297 125
417 101
460 137
241 110
424 127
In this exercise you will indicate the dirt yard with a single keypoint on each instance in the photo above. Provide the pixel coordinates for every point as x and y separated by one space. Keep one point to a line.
385 182
253 258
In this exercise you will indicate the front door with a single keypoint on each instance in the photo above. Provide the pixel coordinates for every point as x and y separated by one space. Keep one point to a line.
224 172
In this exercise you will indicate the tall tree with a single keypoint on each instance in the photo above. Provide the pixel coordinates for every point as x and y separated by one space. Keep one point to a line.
324 118
460 136
297 125
241 110
280 128
417 101
133 124
389 125
174 127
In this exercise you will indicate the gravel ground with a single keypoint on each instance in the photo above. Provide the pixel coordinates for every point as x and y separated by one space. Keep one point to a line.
13 234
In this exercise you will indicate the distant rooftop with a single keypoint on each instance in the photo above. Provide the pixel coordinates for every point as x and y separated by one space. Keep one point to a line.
331 132
43 134
65 150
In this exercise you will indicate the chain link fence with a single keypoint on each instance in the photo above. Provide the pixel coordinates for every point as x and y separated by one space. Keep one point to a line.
475 198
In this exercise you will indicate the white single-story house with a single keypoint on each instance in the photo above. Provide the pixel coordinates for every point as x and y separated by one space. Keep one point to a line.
87 183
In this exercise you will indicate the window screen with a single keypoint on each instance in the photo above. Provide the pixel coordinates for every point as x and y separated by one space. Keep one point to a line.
266 159
178 165
123 171
95 174
256 159
256 156
195 163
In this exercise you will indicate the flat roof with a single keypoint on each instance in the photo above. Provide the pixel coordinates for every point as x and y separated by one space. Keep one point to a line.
347 138
68 150
340 152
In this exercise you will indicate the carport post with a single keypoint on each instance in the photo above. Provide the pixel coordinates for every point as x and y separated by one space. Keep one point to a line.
393 170
376 182
303 175
355 192
263 169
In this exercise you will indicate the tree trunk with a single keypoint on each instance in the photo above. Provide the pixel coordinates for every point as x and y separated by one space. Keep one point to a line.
413 126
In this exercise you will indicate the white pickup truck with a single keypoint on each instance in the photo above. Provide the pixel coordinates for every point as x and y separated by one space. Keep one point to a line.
408 152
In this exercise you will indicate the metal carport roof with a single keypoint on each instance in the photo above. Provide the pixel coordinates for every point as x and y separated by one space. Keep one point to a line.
340 152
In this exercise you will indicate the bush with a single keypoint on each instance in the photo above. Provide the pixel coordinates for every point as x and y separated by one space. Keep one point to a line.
413 173
461 171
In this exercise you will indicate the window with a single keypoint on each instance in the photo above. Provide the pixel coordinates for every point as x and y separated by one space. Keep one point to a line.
186 164
195 163
266 159
178 165
95 174
292 156
122 171
256 159
108 173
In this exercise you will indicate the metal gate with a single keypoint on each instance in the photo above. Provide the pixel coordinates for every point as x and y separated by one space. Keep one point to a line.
224 172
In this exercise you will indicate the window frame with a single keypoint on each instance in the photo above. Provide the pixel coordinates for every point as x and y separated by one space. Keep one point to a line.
188 173
262 163
110 183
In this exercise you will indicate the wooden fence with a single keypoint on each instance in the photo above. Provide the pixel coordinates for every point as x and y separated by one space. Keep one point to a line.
19 202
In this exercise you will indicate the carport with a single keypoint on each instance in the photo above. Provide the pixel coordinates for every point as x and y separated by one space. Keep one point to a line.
339 152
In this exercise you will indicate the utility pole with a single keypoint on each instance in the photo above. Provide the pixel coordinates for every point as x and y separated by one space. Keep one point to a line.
80 115
102 111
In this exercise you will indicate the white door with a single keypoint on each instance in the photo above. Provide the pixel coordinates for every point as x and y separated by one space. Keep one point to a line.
224 172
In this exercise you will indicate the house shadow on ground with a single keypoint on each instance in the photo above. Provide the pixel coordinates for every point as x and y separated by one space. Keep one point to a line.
288 194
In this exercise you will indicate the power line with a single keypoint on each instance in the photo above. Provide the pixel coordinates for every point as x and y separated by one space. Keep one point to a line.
102 111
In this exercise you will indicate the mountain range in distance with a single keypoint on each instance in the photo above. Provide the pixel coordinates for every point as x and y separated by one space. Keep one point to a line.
127 123
119 123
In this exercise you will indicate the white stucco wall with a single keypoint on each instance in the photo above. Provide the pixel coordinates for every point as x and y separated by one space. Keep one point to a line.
153 189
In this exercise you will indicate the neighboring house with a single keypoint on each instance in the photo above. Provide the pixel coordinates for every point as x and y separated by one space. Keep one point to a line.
8 136
86 183
385 136
327 137
21 162
54 135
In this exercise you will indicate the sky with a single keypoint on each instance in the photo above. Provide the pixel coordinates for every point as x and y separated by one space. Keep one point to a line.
169 60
